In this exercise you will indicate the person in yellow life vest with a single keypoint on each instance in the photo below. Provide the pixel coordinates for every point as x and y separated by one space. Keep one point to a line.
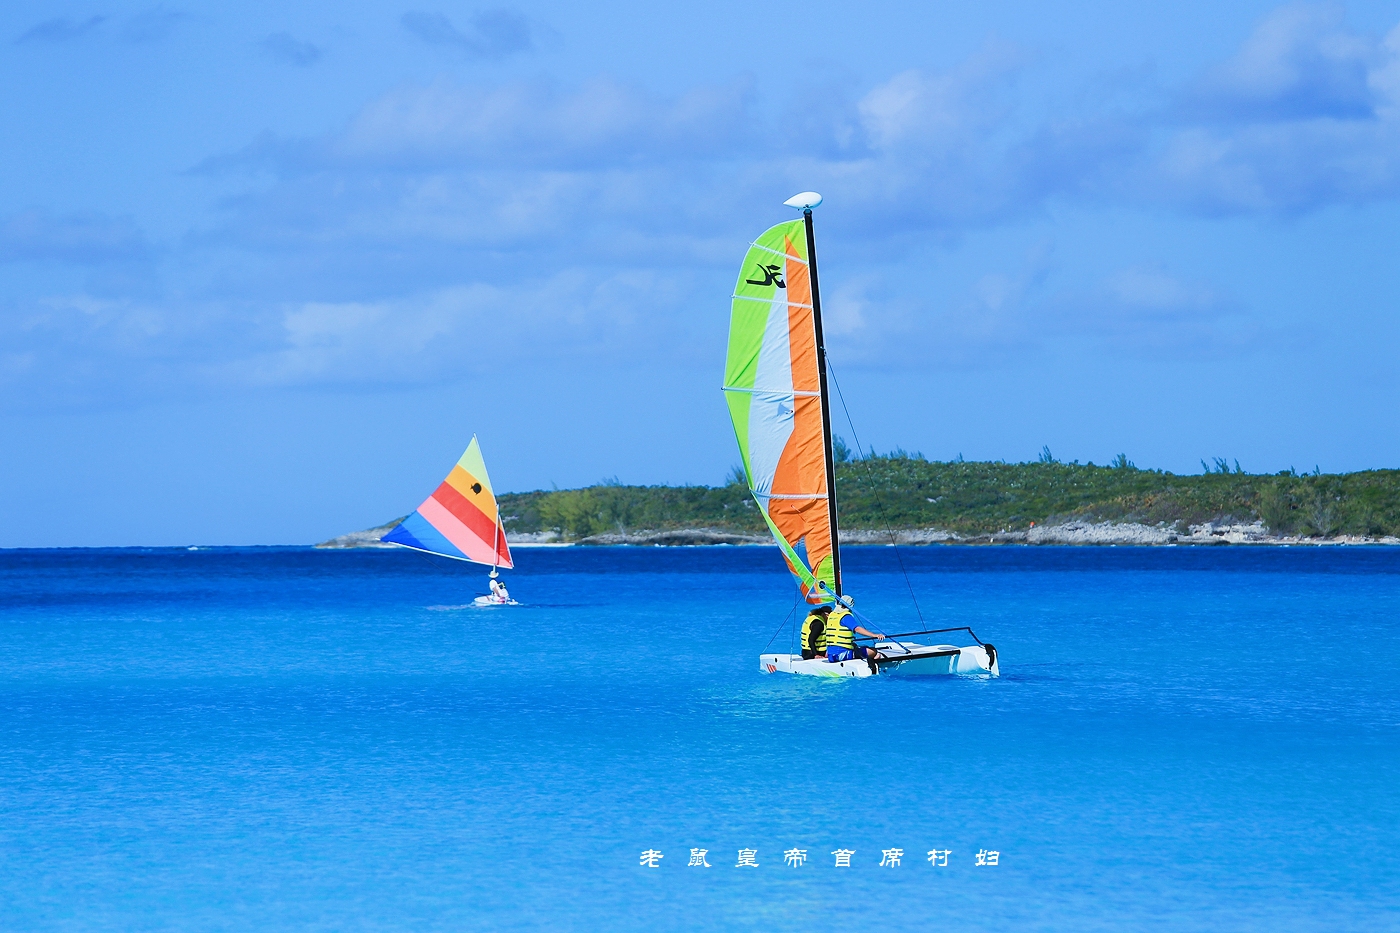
814 633
841 632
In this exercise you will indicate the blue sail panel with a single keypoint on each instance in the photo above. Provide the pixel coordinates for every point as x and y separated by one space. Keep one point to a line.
416 532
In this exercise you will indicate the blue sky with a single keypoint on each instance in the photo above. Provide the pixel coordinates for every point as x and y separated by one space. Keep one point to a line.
264 270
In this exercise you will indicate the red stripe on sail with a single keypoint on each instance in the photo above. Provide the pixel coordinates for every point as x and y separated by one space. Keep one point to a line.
451 528
503 549
477 521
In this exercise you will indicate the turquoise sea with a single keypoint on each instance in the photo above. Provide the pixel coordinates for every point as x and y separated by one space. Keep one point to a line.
287 739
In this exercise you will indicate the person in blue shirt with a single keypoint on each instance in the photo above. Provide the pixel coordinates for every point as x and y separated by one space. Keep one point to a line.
841 631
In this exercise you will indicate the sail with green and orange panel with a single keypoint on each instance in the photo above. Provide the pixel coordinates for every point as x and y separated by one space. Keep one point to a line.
460 519
772 387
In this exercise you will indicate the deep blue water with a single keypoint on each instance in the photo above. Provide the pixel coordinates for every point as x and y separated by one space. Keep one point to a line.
285 739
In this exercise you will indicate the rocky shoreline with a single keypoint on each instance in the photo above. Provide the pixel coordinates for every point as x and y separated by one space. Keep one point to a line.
1208 533
1130 534
369 538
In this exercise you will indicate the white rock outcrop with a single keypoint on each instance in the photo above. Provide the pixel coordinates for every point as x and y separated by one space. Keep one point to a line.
1100 533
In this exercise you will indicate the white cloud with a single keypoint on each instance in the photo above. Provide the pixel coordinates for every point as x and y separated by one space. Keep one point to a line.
1299 63
572 320
597 219
153 25
1303 116
603 123
506 165
1148 312
82 238
1149 287
1384 78
288 49
59 29
492 33
943 111
844 308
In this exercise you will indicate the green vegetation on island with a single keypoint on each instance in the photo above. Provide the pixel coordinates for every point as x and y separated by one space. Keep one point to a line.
902 491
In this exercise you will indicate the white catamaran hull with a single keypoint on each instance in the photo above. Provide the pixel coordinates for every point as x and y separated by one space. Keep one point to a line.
916 661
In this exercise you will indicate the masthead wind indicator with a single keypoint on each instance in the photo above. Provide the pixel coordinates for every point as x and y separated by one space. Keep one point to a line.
804 201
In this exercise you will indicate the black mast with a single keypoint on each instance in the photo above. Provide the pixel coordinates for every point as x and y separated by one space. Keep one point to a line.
826 407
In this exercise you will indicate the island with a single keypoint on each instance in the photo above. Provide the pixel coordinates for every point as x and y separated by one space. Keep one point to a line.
903 498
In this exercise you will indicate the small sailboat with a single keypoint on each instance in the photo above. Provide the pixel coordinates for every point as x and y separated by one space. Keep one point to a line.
775 384
460 520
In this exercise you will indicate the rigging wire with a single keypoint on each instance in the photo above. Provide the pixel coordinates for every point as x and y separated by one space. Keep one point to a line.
437 566
797 596
871 487
792 633
790 614
423 557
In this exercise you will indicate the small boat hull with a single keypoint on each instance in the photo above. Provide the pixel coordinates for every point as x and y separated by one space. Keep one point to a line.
493 601
794 664
904 659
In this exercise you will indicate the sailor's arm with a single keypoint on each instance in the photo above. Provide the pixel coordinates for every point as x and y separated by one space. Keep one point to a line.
862 630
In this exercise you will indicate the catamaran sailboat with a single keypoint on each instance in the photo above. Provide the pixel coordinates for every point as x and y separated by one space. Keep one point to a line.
460 520
775 384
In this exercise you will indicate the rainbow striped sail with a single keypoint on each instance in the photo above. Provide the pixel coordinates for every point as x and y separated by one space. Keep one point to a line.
459 519
773 387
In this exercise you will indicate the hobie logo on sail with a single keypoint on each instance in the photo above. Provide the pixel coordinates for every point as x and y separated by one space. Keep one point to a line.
772 275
